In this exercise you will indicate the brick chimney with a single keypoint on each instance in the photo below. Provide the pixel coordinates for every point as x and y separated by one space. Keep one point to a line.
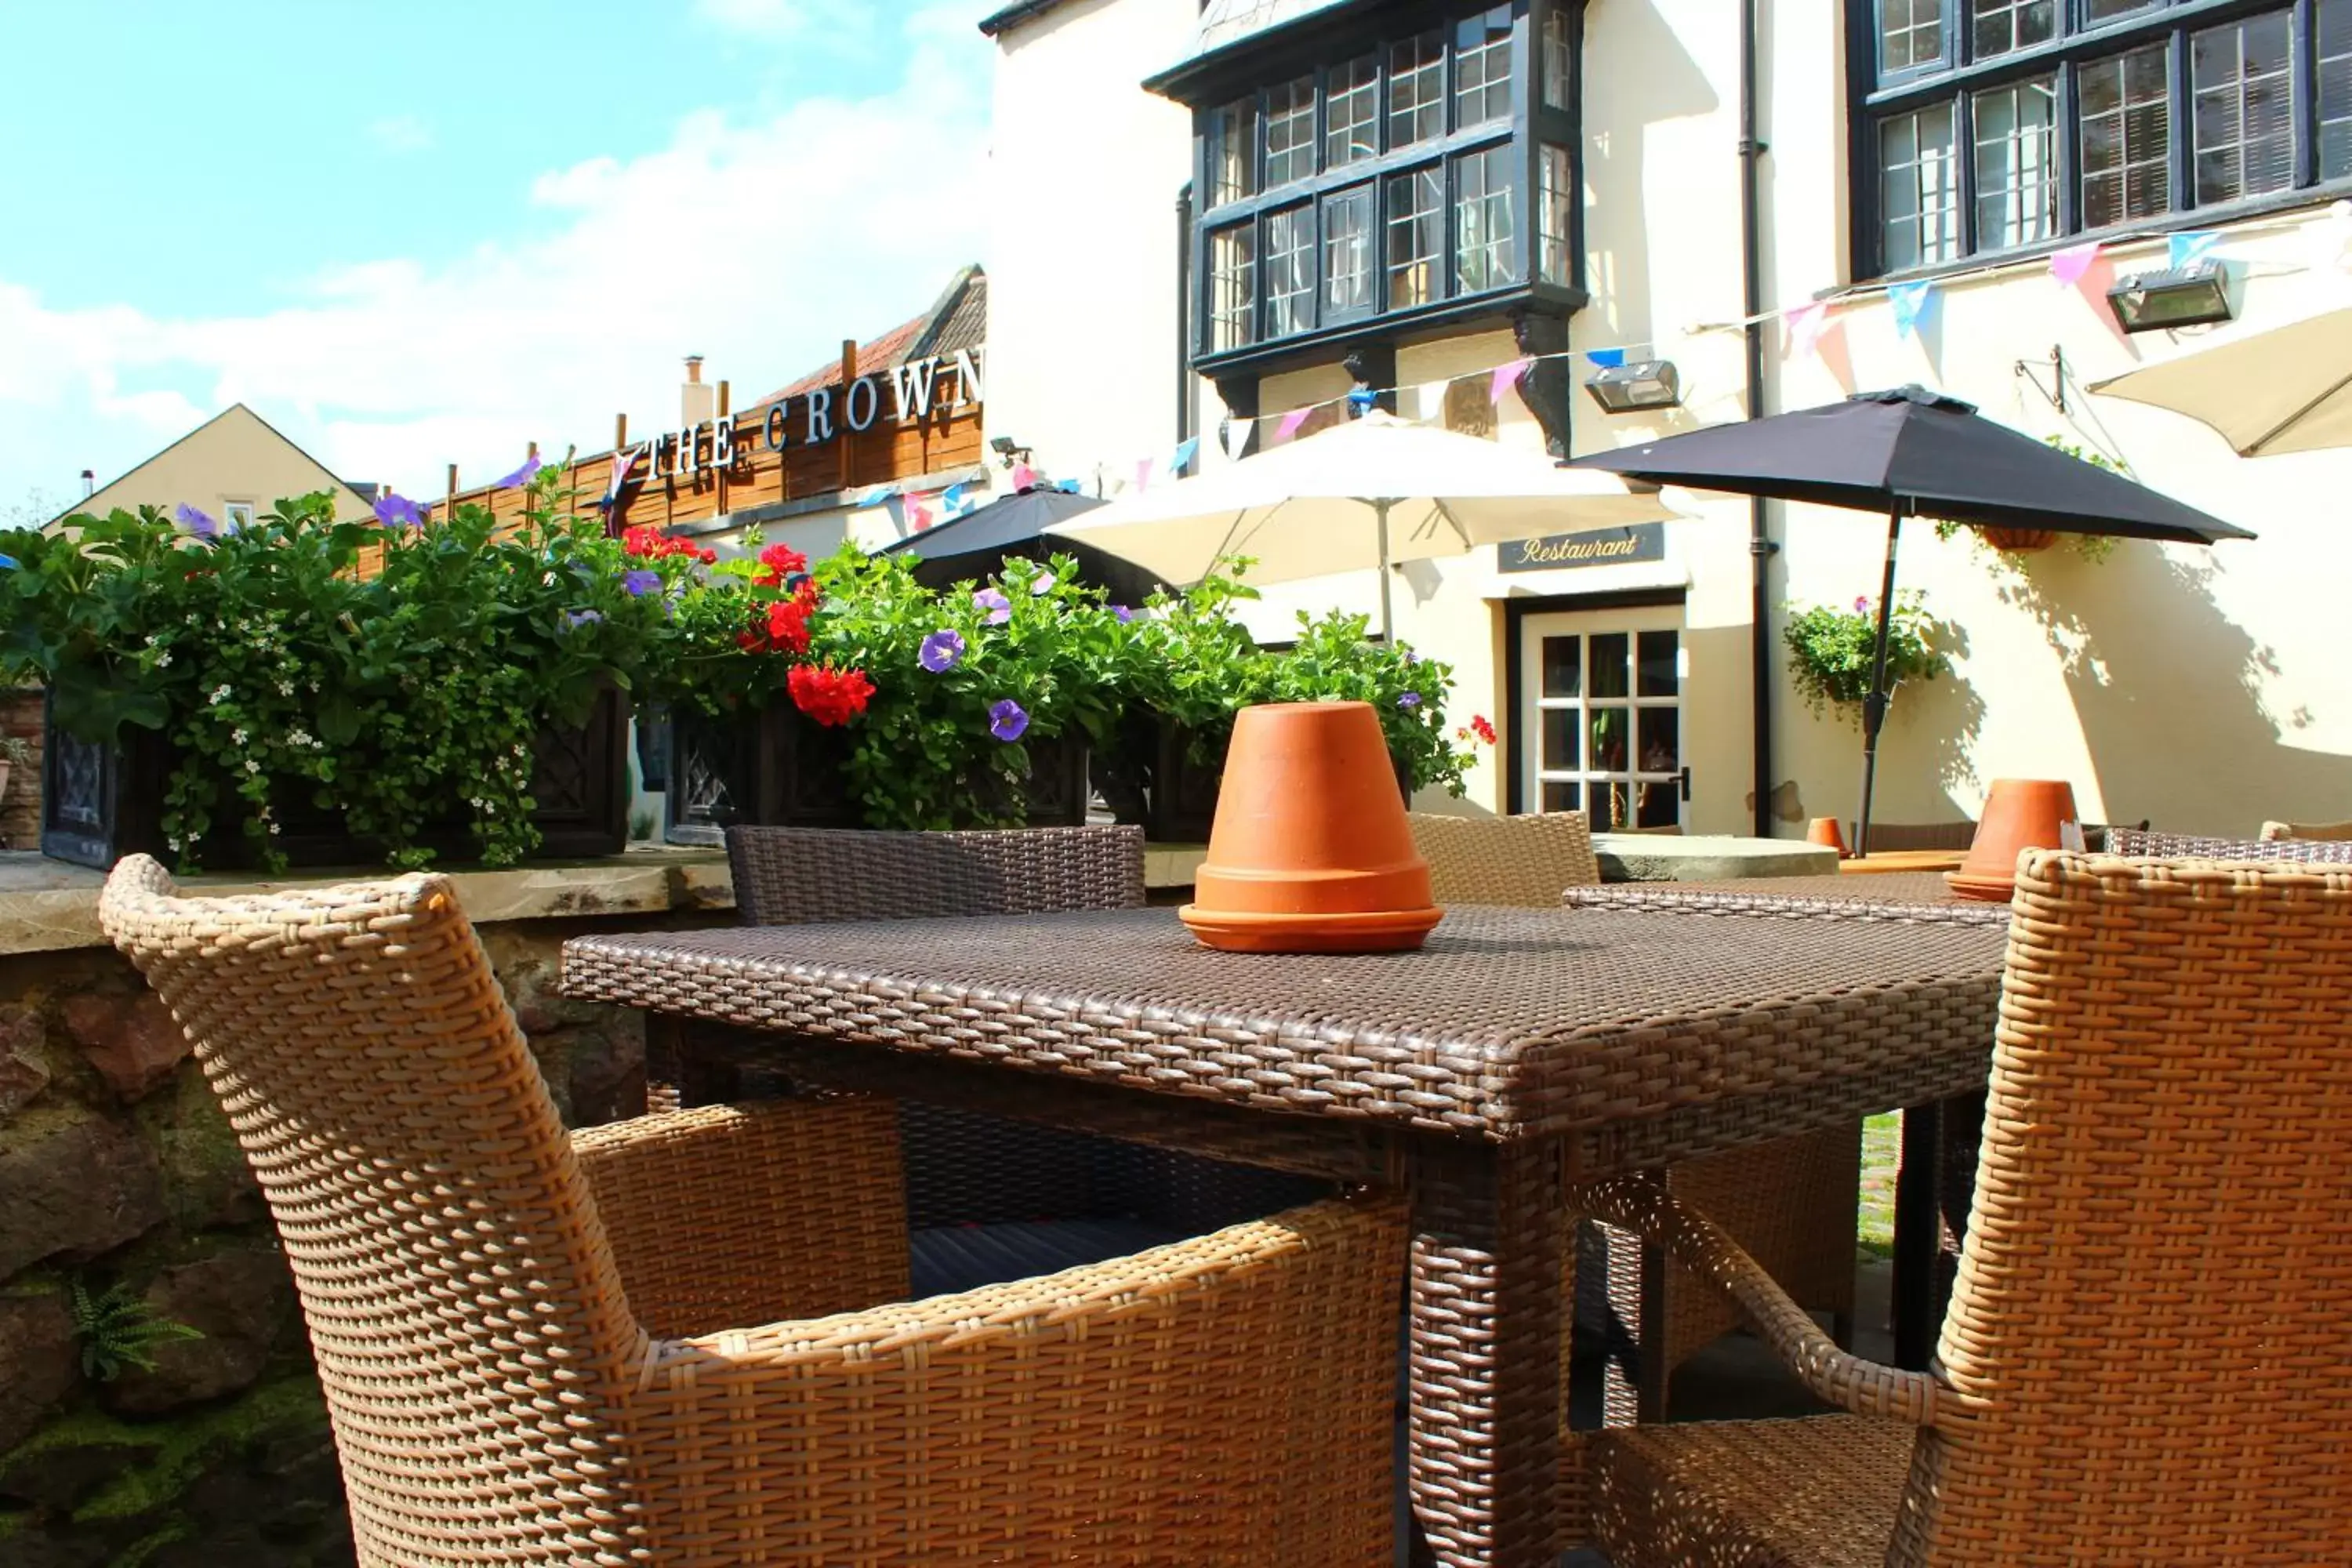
696 399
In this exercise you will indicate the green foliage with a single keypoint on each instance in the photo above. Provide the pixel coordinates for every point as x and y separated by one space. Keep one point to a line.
395 680
1334 659
117 1329
2092 547
1831 651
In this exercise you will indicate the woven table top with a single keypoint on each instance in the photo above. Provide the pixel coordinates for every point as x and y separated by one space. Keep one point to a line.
1919 898
1510 1021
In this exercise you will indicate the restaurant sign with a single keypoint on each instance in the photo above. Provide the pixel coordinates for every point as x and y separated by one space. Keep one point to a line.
1591 547
902 394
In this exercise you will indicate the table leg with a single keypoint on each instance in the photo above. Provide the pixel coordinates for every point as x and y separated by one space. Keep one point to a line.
1490 1255
1916 1234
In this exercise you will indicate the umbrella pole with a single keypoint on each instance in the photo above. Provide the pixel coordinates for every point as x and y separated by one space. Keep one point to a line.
1387 625
1874 707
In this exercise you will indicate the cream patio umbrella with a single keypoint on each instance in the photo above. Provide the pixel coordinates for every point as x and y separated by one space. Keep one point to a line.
1363 496
2287 390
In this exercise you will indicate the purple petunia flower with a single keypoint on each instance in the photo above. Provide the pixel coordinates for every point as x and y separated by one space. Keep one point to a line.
999 607
523 475
1007 720
199 524
942 651
576 618
641 583
1042 583
1123 613
1408 699
1861 602
396 511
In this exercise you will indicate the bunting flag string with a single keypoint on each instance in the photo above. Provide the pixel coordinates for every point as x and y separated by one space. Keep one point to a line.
2069 265
1294 419
1505 377
1909 301
1804 326
1606 359
1183 458
1237 434
2188 250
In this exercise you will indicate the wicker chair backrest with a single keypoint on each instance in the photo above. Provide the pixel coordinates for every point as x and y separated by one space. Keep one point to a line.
794 876
2146 1336
463 1306
1525 860
2137 841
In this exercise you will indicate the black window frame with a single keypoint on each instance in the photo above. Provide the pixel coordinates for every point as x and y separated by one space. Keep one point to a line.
2078 41
1529 124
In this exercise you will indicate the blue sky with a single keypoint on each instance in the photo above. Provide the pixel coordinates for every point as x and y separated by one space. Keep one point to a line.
429 232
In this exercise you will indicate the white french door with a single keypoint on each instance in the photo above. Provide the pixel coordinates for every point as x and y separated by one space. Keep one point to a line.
1602 716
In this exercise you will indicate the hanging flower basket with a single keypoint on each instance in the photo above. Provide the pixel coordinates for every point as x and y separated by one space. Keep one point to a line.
2018 540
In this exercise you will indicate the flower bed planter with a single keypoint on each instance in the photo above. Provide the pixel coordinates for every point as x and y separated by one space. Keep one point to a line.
779 769
1184 797
100 803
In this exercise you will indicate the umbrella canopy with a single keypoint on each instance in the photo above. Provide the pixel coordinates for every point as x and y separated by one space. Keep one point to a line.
2289 389
1012 528
1370 492
1911 453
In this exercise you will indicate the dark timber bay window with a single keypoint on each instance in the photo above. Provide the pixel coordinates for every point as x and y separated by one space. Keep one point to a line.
1992 125
1417 166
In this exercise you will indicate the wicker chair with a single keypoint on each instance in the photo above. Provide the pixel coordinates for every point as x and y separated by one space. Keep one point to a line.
2337 832
1793 1201
2144 1360
2139 843
538 1349
990 1198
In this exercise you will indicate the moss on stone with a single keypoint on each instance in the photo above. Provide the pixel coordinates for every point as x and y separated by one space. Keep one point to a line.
173 1453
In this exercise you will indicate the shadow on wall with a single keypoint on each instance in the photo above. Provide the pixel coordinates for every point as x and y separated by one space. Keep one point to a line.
1668 85
2169 692
1930 735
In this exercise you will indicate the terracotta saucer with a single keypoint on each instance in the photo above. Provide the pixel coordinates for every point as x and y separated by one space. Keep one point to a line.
1380 931
1982 890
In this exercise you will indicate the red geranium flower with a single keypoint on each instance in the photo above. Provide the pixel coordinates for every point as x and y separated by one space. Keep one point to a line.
651 543
777 562
1482 729
831 697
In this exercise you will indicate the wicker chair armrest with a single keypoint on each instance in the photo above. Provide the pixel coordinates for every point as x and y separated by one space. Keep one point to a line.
1247 1365
1644 1205
728 1215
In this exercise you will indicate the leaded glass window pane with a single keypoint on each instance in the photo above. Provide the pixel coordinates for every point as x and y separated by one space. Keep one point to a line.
1919 193
2003 26
2097 11
1290 132
1416 90
1232 288
1559 59
2242 86
1348 238
2017 163
1416 230
2127 119
1482 67
2335 89
1289 271
1553 194
1486 248
1352 113
1232 131
1910 33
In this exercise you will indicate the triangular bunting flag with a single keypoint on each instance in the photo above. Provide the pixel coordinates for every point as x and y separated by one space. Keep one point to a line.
1183 458
953 503
1605 359
1506 377
2069 265
1143 473
1291 422
1025 478
1432 400
1237 434
1067 487
1803 326
1909 303
2188 250
918 516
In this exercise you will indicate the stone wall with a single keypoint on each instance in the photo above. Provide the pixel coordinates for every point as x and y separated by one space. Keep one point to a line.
118 1171
20 808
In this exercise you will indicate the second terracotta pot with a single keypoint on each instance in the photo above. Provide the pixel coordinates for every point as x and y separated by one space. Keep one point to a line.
2018 815
1310 851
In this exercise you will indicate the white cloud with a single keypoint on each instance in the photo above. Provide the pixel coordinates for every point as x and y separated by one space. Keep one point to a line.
401 133
760 243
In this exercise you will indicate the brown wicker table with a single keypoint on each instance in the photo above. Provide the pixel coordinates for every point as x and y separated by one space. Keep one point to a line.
1521 1050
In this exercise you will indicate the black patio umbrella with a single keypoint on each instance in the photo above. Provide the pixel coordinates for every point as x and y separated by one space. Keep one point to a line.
1912 453
983 538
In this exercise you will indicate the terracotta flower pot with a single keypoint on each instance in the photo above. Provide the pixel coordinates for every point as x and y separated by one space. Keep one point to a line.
1309 851
2018 815
1830 833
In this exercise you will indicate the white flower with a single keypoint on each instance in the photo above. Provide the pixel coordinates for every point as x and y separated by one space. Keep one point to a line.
221 693
520 750
164 660
251 766
295 737
275 828
236 736
285 689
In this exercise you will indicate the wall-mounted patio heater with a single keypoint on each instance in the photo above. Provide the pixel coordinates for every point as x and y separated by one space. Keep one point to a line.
2195 294
1629 388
